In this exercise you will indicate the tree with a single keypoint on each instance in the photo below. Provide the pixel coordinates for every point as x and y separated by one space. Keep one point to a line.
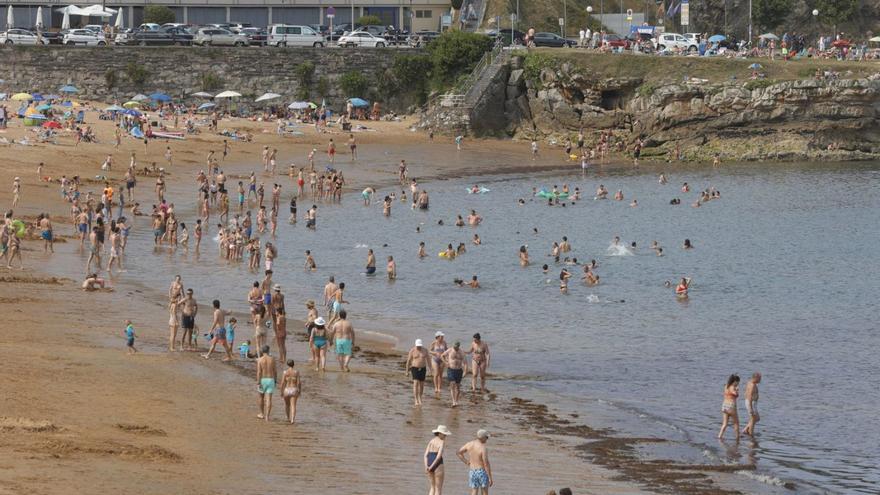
158 14
836 11
369 20
456 52
354 84
456 4
769 14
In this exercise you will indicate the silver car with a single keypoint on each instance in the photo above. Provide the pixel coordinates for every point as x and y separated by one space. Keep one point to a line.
211 36
20 37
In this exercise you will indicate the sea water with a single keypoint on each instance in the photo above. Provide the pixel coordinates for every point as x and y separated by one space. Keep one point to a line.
784 270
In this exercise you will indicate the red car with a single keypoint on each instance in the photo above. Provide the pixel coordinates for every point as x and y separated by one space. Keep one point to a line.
616 41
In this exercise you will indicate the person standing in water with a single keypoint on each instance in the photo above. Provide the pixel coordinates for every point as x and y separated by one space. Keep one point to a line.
267 376
417 366
434 459
454 359
476 456
728 408
479 362
371 263
437 349
343 340
291 389
751 399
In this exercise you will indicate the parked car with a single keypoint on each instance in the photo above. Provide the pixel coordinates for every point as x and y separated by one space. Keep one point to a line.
396 36
616 41
52 37
504 36
361 38
552 39
256 36
374 29
163 36
85 37
19 37
282 35
236 27
338 32
148 26
320 28
208 36
422 38
674 41
97 28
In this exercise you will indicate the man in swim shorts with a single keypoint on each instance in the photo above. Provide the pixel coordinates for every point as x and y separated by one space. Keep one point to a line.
476 456
266 378
417 366
454 359
343 339
187 321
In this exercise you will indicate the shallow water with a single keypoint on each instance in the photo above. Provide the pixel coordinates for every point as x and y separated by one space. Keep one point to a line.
784 271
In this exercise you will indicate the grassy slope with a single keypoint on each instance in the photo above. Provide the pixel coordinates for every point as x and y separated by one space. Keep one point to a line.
660 70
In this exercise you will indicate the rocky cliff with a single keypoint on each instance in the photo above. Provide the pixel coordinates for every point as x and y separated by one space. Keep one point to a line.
755 119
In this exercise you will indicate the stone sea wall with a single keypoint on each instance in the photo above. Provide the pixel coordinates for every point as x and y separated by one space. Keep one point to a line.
112 74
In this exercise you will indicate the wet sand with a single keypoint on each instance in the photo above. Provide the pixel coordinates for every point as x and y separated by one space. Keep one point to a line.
81 416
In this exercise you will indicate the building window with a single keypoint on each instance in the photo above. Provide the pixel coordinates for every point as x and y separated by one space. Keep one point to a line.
424 14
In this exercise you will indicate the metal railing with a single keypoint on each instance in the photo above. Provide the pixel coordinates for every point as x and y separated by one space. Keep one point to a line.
458 96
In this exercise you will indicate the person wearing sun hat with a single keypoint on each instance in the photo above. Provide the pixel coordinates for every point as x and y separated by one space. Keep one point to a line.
434 459
476 456
436 349
318 341
417 366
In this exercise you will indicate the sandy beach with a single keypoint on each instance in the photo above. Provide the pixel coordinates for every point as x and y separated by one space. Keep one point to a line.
81 416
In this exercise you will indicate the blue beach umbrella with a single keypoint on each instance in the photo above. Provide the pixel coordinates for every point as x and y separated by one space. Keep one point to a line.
358 102
51 97
133 113
205 106
37 97
114 108
755 66
160 97
68 89
43 108
717 38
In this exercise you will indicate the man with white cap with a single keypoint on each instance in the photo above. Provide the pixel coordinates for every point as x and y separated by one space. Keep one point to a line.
480 472
417 366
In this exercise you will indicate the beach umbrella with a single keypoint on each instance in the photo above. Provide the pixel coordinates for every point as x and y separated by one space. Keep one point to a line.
97 10
717 38
140 97
359 102
228 94
205 106
21 97
43 108
114 108
52 125
160 97
267 97
755 66
875 39
69 104
2 96
298 105
769 36
51 97
10 19
39 23
68 89
65 21
132 104
202 94
120 25
132 112
37 97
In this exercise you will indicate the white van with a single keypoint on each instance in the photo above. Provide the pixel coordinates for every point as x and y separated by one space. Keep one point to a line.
284 35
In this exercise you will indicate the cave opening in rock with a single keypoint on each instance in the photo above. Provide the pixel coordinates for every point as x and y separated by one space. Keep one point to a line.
612 99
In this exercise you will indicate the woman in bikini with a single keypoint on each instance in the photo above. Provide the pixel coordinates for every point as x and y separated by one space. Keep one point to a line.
438 347
291 388
728 407
434 459
479 362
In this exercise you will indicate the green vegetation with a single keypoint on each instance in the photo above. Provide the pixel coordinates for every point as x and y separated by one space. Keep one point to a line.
759 83
535 63
323 86
305 75
456 4
413 73
646 90
110 78
455 53
210 81
836 11
136 73
354 84
769 14
158 14
369 20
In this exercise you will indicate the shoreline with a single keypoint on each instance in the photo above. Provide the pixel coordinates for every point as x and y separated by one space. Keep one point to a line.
379 370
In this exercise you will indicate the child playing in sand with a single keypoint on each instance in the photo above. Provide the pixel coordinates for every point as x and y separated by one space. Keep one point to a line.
129 337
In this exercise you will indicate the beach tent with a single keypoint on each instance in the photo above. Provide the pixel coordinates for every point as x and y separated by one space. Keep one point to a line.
358 102
228 94
160 97
68 89
267 97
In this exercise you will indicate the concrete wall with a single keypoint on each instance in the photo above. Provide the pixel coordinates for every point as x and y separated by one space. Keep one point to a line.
179 71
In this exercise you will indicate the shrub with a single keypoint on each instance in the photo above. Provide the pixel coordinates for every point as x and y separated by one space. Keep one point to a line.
369 20
354 84
646 90
210 81
158 14
323 86
456 52
412 71
110 78
534 63
136 73
305 74
758 83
